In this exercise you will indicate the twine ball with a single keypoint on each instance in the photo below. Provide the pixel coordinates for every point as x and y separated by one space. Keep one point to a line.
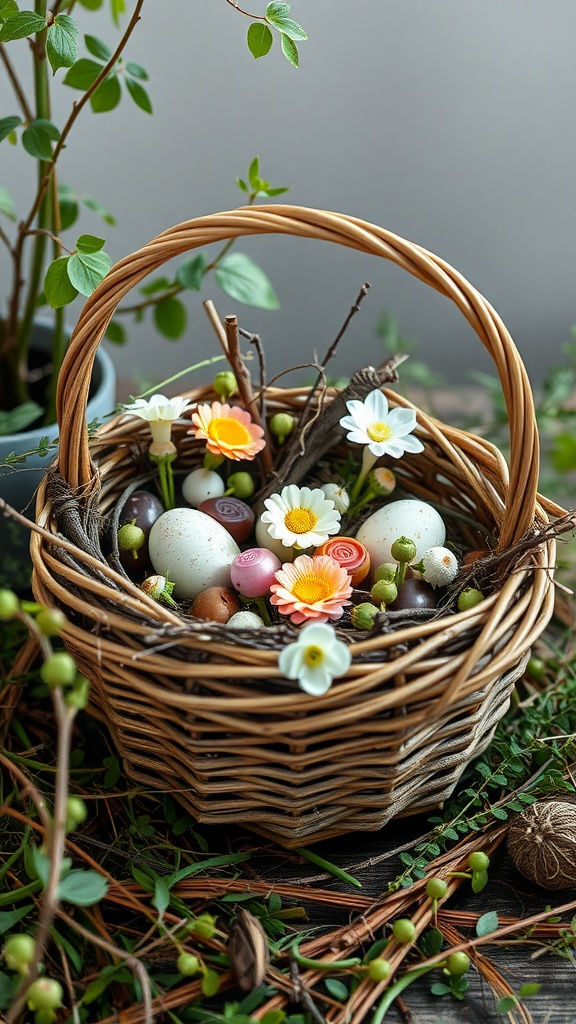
542 843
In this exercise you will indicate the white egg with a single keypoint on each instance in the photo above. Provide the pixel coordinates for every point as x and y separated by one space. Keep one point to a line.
264 540
200 485
245 620
192 550
405 518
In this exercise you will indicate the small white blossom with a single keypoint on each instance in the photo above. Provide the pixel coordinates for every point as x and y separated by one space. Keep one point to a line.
439 566
339 495
315 659
160 412
385 431
300 517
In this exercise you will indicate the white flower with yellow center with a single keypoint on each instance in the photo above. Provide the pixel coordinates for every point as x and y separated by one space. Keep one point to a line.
385 431
160 412
300 517
315 659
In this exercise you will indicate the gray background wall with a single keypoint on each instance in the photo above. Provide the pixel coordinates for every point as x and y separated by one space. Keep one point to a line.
450 122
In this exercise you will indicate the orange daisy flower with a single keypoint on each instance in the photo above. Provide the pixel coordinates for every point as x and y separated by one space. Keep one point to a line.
311 587
228 431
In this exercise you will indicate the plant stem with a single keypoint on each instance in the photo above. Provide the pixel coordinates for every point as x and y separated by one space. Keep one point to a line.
394 991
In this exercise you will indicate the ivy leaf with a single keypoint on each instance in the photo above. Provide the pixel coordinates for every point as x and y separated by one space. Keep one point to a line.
289 49
6 203
190 273
87 269
25 23
58 288
38 137
62 42
139 95
137 71
259 39
170 318
8 124
89 243
82 888
244 281
107 95
487 923
83 74
98 48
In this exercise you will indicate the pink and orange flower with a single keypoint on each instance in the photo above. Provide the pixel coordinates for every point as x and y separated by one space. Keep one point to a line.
228 431
311 588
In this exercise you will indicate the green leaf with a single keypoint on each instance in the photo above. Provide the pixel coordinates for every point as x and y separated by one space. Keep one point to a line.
499 813
8 124
506 1004
431 942
137 71
289 49
244 281
440 989
82 888
336 989
8 8
204 865
563 452
117 8
242 185
532 988
6 203
190 273
139 95
277 10
161 898
289 27
98 48
259 39
479 881
170 318
107 95
20 25
90 243
8 988
58 288
274 903
93 204
275 191
108 974
113 771
115 333
8 918
91 5
487 923
68 207
210 983
254 173
86 270
83 74
72 952
38 137
62 42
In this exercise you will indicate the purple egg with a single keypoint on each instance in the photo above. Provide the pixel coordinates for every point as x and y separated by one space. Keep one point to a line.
254 571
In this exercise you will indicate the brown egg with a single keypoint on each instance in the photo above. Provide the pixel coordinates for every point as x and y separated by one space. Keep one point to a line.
414 593
217 604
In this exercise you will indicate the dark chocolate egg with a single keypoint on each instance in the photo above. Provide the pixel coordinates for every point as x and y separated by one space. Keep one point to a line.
414 593
233 514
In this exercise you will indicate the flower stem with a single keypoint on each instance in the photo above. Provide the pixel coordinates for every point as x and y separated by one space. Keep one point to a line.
368 460
393 991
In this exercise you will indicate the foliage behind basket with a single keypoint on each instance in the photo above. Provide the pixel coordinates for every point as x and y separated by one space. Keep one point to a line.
203 711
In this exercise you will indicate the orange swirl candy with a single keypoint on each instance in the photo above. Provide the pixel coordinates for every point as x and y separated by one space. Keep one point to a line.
350 554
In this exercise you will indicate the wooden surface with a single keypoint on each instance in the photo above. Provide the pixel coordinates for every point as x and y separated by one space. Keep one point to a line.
507 893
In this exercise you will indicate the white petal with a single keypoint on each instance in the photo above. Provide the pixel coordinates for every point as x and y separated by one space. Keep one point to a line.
338 658
291 659
291 496
376 405
315 681
318 633
402 421
411 444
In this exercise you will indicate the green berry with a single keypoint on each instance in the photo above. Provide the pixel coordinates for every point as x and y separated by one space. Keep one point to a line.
436 888
203 926
44 1016
241 485
535 668
378 970
50 621
187 965
225 384
384 592
45 994
469 598
458 964
76 813
281 425
77 696
59 670
131 538
404 930
363 615
19 952
403 550
9 605
478 861
386 572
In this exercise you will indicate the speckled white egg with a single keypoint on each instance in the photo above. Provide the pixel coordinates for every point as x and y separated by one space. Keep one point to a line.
200 485
245 620
192 550
404 518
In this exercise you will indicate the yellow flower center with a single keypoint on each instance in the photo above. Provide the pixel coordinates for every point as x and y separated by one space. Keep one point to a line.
311 588
379 432
313 656
300 520
229 432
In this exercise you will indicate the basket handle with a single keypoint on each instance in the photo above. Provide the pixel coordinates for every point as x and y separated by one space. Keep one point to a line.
74 455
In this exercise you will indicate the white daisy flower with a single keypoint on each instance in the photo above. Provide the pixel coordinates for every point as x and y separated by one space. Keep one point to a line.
339 495
315 659
300 517
385 431
160 412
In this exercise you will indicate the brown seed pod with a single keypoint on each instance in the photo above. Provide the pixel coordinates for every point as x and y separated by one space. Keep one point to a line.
248 951
542 843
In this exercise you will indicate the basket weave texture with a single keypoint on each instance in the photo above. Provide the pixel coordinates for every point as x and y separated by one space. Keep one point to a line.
208 717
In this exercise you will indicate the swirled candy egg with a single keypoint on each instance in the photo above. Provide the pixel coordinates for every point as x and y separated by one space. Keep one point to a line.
408 517
192 550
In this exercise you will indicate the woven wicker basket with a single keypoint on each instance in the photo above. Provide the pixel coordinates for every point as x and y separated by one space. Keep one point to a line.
211 721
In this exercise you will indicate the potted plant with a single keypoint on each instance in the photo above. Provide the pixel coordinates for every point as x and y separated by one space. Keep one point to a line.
51 262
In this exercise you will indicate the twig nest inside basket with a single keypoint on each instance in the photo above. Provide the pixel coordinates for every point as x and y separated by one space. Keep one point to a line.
542 843
409 518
